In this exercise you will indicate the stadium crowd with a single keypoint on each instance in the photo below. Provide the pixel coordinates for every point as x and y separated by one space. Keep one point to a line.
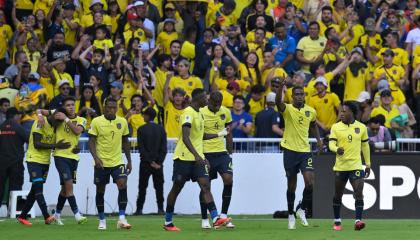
152 53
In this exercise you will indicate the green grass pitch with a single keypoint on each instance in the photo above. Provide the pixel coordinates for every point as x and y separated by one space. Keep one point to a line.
247 227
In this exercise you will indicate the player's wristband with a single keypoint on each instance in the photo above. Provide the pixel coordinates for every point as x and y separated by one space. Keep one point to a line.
67 120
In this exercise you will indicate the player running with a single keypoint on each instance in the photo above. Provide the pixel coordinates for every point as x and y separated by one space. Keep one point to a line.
189 161
108 134
299 120
41 142
348 138
66 160
217 118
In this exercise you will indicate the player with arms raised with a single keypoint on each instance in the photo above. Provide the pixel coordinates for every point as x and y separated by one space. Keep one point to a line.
299 120
107 135
348 138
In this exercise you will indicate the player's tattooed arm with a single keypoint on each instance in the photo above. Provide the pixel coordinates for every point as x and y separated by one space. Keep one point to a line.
126 148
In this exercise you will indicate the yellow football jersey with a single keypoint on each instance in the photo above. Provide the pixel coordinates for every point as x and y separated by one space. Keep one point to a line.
109 135
354 85
195 120
325 108
296 131
188 84
63 132
70 35
389 115
213 124
136 121
171 121
48 136
351 138
165 39
392 74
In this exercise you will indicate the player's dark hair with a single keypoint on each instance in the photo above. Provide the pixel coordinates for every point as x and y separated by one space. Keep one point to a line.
99 51
175 41
69 98
137 96
254 3
216 97
260 28
150 112
314 66
314 23
352 107
110 99
296 88
4 100
326 8
196 93
378 119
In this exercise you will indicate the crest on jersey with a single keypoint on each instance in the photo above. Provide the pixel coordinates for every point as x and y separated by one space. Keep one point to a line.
362 70
325 100
322 44
357 130
190 83
378 41
394 71
119 125
223 116
307 113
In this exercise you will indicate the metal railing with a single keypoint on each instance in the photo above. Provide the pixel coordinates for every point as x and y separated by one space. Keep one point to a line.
268 145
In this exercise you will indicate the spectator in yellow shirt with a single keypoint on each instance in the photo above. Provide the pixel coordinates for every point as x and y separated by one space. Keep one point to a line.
326 104
174 105
228 75
387 110
327 21
357 76
394 74
134 30
256 100
168 34
70 24
134 116
96 6
103 39
184 80
58 74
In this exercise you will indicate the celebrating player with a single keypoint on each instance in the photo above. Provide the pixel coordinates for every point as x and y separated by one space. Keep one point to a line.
348 138
216 118
189 161
41 142
107 135
299 120
66 160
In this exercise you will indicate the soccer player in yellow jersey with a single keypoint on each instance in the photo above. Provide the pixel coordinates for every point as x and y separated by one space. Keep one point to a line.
189 160
108 134
216 119
41 142
66 160
299 120
348 138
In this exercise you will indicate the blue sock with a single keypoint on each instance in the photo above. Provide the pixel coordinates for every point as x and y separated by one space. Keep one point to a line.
122 212
101 215
168 216
214 214
213 210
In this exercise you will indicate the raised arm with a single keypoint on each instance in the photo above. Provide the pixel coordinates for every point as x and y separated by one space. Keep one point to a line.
279 96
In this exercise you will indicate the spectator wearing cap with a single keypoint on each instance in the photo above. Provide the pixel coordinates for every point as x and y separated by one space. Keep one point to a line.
228 75
365 107
284 47
152 145
6 91
357 76
232 89
394 74
375 39
64 91
168 34
310 48
327 21
71 24
326 104
400 56
31 96
147 25
123 103
241 120
298 79
386 109
268 122
135 30
12 139
170 11
397 96
95 6
4 105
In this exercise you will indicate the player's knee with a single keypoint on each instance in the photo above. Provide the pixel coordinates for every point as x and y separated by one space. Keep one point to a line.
227 179
122 185
178 185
